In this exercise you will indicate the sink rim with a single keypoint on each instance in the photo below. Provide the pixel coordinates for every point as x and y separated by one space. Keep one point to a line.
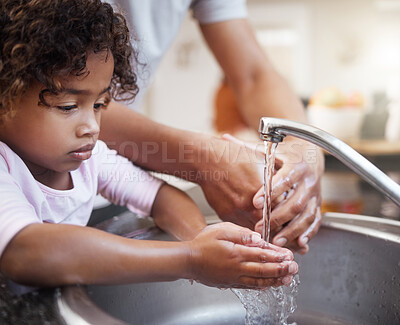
76 307
384 228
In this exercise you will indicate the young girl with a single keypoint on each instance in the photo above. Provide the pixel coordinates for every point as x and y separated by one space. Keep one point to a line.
60 64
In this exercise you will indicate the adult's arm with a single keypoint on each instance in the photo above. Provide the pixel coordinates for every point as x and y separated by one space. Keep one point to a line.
258 87
261 91
224 170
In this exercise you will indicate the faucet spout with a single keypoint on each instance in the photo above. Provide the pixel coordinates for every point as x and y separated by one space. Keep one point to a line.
275 130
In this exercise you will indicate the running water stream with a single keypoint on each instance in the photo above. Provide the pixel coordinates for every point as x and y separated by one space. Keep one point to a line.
272 305
269 169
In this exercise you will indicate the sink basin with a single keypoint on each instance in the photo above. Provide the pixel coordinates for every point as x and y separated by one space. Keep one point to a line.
351 275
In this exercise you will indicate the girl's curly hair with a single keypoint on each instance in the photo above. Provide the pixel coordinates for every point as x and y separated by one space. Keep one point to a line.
43 39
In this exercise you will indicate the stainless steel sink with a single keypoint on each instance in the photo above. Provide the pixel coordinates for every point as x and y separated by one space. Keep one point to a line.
350 276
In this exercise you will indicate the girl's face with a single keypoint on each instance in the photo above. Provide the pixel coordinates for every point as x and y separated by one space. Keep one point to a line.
56 139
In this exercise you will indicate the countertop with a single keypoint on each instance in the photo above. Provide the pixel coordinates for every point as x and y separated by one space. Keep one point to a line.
375 147
384 155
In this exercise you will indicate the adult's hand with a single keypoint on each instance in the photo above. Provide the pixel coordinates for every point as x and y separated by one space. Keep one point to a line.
296 195
234 179
261 91
227 171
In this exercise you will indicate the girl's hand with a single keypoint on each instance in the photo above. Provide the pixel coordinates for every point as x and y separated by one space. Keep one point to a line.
227 255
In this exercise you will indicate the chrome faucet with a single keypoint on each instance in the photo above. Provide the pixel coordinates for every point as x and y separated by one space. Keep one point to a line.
275 130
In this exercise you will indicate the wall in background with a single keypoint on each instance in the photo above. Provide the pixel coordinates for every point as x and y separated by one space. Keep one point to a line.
354 45
183 89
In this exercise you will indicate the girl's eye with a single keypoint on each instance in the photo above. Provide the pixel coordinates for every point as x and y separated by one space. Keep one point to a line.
67 107
100 105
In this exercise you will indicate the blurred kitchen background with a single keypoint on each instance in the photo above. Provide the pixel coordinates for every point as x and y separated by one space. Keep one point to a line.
342 57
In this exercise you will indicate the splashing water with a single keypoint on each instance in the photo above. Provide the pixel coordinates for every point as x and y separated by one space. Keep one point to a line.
272 305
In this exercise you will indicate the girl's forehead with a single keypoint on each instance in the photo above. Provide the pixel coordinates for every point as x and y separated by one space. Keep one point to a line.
97 75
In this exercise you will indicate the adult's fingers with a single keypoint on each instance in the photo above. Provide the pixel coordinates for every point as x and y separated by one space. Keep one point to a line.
295 221
294 205
286 179
258 199
310 232
283 183
297 232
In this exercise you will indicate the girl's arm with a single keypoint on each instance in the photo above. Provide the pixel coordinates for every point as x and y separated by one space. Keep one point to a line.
176 213
125 184
54 254
44 254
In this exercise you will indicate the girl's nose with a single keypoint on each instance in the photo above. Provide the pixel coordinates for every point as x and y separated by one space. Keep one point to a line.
89 125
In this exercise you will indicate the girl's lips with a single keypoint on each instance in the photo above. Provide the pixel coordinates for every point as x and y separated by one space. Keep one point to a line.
82 153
